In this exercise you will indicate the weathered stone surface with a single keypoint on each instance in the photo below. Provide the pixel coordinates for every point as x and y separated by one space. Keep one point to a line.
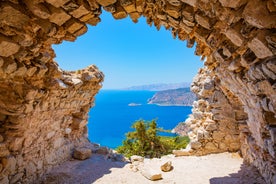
106 2
11 16
82 153
260 46
43 110
234 36
8 47
57 3
58 16
233 3
257 14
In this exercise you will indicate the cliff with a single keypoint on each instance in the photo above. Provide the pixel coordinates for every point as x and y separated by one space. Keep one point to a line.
179 97
43 110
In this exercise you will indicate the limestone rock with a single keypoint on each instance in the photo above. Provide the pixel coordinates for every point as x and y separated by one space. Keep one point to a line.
102 150
82 153
43 110
138 158
166 167
8 47
151 174
106 2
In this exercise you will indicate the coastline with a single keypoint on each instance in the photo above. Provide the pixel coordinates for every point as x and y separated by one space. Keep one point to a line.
178 105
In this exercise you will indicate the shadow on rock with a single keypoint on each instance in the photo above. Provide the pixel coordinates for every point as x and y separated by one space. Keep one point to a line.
246 175
82 172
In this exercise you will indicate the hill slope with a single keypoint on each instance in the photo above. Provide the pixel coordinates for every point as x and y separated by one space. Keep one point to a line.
181 97
159 87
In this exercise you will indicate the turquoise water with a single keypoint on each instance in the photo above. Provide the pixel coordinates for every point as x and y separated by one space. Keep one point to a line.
112 116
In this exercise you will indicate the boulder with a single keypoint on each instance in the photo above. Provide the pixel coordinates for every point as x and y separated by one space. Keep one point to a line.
166 167
82 153
102 150
134 158
151 173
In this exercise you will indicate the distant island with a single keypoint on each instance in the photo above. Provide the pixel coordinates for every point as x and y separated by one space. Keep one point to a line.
159 87
134 104
176 97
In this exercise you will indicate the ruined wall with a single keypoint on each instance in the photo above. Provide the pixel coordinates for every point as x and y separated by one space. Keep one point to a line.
213 126
43 111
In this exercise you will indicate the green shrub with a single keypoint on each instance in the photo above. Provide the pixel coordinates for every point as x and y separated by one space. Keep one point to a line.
145 141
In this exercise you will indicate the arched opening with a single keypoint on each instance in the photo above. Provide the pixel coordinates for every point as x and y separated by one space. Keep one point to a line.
130 55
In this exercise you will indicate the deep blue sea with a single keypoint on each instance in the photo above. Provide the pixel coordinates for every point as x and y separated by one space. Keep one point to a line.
112 117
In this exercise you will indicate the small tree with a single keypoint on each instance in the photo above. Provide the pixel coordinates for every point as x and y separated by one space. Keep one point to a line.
145 141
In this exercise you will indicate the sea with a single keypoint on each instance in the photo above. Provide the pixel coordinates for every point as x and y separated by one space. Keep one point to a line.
116 110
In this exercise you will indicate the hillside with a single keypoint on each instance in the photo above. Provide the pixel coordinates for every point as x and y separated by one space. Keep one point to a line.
181 97
160 87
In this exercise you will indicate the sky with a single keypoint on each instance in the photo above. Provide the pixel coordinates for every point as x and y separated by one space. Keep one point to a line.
130 54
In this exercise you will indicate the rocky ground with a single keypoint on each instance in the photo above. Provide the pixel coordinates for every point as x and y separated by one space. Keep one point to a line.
224 168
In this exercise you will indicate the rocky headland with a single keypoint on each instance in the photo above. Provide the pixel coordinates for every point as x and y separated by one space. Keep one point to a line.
173 97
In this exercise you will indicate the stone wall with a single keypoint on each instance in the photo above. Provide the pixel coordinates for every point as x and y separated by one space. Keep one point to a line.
213 126
43 110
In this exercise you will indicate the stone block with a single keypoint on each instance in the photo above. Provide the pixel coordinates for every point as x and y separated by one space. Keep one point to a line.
102 150
106 2
173 11
271 5
235 37
140 5
38 9
195 144
134 16
16 144
211 146
93 21
12 17
8 47
151 173
58 16
190 2
218 136
57 3
4 180
80 11
11 67
234 146
4 150
232 3
257 14
203 21
211 127
73 26
58 142
82 153
87 17
16 178
120 13
128 5
9 164
259 46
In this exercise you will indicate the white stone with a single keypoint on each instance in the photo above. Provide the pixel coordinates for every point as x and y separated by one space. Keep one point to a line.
151 173
68 130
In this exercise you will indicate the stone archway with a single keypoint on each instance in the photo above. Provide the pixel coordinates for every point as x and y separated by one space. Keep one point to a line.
43 110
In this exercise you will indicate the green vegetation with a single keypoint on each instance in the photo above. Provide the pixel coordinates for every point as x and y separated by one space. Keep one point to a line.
145 141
